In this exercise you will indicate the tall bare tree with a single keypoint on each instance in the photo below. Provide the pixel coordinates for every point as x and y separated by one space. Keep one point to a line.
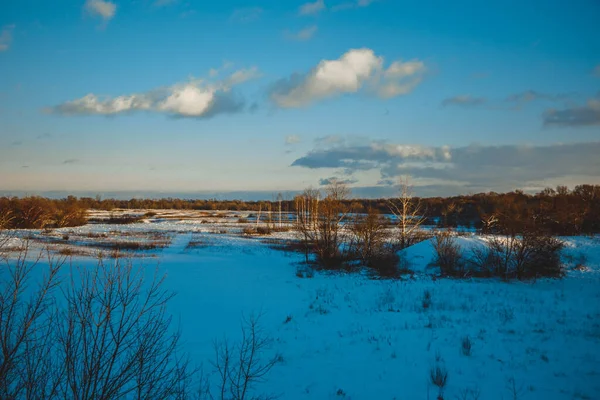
408 214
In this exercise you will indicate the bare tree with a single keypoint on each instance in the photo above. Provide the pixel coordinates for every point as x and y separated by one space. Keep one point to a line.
28 368
369 236
307 205
319 222
279 200
408 214
116 338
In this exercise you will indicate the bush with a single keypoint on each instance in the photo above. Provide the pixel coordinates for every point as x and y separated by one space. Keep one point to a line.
385 264
448 255
532 255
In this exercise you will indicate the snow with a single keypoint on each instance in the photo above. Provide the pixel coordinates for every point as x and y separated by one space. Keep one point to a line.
352 337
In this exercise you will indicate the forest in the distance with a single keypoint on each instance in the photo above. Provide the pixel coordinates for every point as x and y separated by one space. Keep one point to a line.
558 211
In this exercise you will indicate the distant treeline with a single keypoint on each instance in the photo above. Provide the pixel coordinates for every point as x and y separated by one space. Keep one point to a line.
558 211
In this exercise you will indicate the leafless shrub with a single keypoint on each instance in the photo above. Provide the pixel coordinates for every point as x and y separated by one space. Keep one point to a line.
319 224
115 336
448 255
465 346
369 236
528 256
242 366
439 377
514 391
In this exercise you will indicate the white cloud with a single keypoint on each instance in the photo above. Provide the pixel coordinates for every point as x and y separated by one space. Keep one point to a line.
312 8
354 70
6 36
292 139
304 34
195 99
100 8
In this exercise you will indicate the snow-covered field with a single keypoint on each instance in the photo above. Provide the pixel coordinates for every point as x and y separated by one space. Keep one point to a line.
345 336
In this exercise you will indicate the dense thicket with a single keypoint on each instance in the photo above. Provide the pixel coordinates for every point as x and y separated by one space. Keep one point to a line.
558 211
39 212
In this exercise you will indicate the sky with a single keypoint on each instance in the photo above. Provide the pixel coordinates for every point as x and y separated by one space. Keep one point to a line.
249 98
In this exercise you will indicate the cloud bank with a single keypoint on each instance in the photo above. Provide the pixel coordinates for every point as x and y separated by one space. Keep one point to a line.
507 166
354 71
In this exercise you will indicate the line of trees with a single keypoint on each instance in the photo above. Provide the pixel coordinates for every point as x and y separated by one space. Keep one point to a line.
559 211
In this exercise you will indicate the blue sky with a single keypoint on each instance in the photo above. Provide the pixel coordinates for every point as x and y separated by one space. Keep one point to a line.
196 96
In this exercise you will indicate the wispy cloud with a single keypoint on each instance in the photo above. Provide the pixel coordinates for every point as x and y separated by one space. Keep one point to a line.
465 100
354 71
245 15
586 115
475 165
292 139
596 71
312 8
304 34
532 95
195 98
100 8
71 161
6 37
334 179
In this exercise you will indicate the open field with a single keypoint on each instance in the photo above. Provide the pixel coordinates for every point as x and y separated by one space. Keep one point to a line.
348 336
